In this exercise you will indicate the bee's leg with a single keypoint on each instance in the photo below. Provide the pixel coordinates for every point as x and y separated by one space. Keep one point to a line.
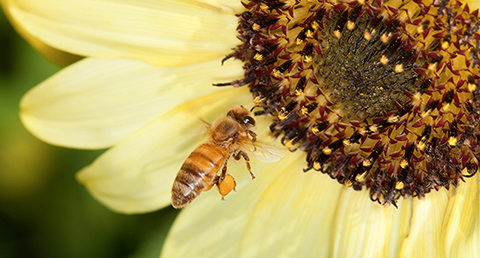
224 172
247 159
215 181
254 138
218 178
225 176
223 185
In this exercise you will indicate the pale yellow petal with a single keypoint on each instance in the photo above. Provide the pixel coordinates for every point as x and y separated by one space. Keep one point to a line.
97 102
474 4
461 222
446 223
235 5
289 214
310 215
171 32
397 227
425 236
219 226
137 174
293 216
53 54
363 228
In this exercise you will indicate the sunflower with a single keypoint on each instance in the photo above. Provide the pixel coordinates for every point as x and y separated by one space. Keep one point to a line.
380 96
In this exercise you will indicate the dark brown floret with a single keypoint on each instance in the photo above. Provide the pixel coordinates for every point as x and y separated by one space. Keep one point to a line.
379 96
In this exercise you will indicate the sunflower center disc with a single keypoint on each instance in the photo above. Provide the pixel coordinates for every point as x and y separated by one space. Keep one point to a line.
379 94
353 74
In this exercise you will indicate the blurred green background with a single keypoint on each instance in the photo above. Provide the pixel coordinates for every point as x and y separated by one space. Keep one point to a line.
44 211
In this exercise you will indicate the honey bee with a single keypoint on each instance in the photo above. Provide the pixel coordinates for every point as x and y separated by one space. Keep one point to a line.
229 136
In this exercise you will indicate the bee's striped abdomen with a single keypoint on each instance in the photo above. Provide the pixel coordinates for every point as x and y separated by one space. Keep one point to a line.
197 173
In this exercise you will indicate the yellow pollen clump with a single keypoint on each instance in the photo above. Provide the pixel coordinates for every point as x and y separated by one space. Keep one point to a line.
421 146
367 163
299 41
393 119
373 128
403 163
307 59
350 25
264 7
304 109
361 177
445 107
327 151
289 143
432 67
471 87
420 30
315 130
425 114
337 34
384 38
399 185
277 73
346 142
226 185
398 68
367 35
256 27
445 45
348 183
257 100
362 131
316 166
258 57
417 98
309 34
384 60
452 141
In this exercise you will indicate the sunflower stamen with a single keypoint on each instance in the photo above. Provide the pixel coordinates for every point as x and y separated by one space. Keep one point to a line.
376 94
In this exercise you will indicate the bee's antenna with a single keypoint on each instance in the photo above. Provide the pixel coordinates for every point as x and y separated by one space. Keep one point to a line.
257 113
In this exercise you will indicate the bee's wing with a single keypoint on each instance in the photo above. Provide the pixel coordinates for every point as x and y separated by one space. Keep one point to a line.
264 152
205 126
198 127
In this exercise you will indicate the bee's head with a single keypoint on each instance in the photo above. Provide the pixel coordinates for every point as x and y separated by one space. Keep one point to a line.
242 116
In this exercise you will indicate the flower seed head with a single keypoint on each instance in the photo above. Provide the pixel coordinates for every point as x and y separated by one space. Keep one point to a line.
380 95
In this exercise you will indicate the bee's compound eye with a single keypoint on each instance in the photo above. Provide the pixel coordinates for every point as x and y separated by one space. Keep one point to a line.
249 120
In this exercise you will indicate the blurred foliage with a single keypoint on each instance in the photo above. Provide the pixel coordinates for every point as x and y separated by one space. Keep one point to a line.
44 211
